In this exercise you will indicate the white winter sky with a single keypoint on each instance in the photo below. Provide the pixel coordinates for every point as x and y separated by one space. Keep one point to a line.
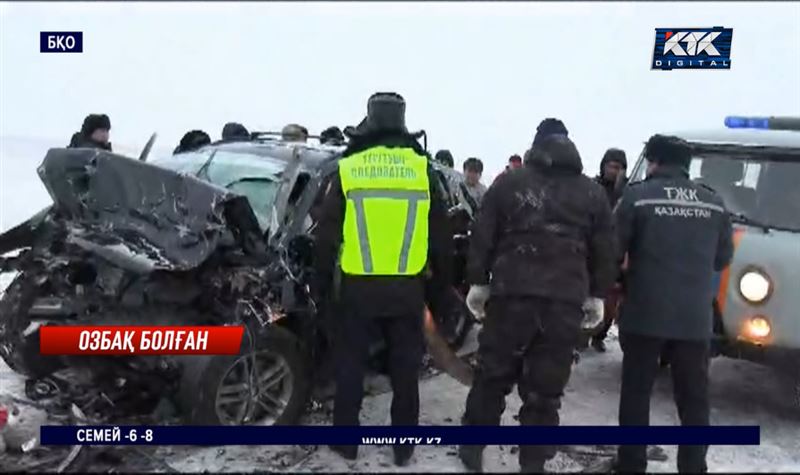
477 76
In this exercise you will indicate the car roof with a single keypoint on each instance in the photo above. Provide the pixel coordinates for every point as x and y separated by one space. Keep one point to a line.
743 137
311 155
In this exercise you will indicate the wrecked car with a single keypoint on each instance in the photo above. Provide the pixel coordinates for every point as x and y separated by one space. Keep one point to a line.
217 236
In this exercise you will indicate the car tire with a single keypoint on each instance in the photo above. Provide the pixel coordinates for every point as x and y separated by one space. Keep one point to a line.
202 377
21 353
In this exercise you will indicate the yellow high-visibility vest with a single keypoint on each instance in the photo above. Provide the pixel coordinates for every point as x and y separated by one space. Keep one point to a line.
385 228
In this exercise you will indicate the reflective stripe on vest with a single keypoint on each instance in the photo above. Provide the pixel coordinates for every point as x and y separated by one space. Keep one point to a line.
385 228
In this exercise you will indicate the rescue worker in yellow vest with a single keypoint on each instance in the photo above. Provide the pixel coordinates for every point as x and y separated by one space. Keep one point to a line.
385 219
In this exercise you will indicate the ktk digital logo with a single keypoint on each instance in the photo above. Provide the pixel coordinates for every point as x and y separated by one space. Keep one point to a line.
692 48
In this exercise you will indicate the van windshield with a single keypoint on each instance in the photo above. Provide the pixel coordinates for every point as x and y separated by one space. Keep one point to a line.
764 190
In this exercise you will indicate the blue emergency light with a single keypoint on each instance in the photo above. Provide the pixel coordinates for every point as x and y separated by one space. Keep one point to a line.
737 122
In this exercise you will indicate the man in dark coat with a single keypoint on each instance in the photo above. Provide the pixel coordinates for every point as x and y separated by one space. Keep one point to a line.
233 131
542 248
445 158
473 170
676 234
514 162
388 165
612 178
192 140
294 133
332 136
94 133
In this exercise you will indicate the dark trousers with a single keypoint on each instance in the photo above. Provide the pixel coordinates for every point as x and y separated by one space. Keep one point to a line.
528 342
405 341
689 367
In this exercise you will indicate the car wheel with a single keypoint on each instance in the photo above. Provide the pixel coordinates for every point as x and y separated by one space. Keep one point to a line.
267 385
21 352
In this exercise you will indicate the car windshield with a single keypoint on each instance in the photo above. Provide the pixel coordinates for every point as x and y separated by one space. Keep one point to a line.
758 189
254 176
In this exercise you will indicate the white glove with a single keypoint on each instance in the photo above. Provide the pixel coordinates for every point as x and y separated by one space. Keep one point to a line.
593 311
476 300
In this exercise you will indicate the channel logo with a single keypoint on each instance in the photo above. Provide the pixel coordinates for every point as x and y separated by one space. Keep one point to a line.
692 48
61 42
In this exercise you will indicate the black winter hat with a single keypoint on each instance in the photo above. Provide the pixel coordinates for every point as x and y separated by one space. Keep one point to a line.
332 135
93 122
558 152
445 157
549 127
668 150
234 130
614 155
193 140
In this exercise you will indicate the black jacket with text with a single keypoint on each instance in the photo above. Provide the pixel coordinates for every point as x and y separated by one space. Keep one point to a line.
676 234
544 230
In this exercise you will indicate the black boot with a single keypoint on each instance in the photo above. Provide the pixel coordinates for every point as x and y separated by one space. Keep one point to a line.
348 452
472 457
402 455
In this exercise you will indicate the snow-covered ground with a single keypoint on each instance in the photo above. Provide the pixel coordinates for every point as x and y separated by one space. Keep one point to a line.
742 393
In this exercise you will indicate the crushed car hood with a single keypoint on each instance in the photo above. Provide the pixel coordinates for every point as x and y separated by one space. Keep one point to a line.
139 215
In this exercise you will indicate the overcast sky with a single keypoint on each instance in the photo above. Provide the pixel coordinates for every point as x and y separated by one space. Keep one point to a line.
477 76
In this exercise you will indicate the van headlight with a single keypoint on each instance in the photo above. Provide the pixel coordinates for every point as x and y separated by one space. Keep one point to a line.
755 286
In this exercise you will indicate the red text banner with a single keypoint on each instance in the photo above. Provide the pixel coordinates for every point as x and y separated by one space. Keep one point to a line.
140 340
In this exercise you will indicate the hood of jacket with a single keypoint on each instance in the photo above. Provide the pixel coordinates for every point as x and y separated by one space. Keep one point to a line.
613 155
557 154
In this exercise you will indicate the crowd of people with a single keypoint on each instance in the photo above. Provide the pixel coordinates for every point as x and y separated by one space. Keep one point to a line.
553 253
96 129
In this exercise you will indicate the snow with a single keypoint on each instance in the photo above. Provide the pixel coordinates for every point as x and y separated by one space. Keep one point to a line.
742 393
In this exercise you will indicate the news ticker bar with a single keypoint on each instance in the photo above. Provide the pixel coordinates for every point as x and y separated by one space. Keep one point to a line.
394 435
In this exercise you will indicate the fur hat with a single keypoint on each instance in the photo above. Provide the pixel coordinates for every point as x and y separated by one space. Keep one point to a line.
668 150
386 112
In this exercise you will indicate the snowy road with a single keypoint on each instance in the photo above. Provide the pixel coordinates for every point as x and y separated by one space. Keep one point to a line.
742 393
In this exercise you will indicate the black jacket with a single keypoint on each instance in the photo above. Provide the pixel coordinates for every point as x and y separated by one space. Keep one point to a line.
78 140
676 233
382 295
613 189
544 230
